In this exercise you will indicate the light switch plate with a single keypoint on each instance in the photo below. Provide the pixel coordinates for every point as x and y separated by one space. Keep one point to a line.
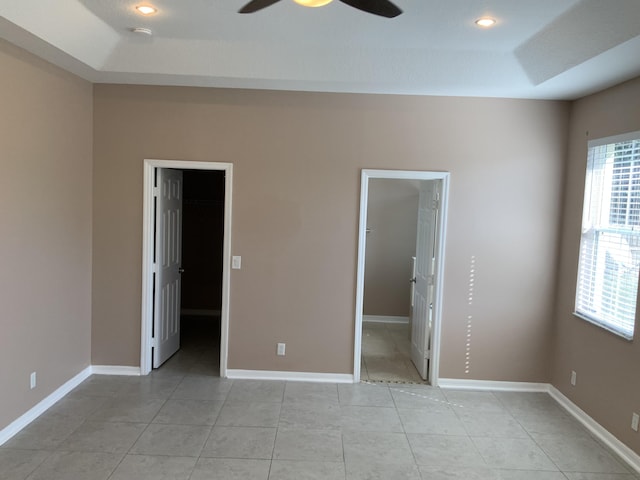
236 262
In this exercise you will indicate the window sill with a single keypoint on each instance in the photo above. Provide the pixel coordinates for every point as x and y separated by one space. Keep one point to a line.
618 333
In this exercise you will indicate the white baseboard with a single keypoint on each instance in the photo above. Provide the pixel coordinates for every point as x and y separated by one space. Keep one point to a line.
624 452
21 422
114 370
290 376
465 384
384 319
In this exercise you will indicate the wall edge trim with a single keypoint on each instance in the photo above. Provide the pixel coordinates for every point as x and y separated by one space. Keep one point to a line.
384 319
43 405
467 384
289 376
623 451
115 370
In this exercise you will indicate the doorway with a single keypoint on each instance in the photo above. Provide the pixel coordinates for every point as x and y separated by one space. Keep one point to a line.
201 266
399 282
201 309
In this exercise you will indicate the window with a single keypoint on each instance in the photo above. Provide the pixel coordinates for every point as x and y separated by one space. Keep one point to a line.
610 243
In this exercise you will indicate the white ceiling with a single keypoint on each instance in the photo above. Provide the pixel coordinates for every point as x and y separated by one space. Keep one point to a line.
550 49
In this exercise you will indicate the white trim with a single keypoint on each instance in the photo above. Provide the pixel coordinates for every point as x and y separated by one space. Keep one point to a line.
605 326
434 364
384 319
290 376
466 384
21 422
147 253
623 451
115 370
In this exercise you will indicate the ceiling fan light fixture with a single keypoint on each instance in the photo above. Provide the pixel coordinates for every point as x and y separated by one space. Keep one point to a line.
383 8
313 3
146 9
486 22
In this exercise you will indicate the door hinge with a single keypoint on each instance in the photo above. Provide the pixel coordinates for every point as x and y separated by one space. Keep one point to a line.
153 342
427 355
436 201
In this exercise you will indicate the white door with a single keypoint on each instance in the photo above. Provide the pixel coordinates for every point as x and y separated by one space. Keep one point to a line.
424 275
166 322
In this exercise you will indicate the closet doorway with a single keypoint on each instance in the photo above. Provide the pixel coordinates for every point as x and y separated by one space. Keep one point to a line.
186 228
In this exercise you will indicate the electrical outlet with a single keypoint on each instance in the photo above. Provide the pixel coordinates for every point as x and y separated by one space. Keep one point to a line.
281 348
635 418
32 380
574 376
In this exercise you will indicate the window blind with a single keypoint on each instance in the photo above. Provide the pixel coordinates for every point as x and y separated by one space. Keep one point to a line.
609 259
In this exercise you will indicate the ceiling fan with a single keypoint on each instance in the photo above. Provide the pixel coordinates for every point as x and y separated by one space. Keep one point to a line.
384 8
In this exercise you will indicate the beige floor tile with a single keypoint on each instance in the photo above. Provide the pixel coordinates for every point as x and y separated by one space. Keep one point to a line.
18 464
386 350
306 444
189 412
107 437
178 440
77 466
301 470
240 442
184 423
231 469
146 467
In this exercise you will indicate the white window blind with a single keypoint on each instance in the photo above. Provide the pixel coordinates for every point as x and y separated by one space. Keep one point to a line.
610 244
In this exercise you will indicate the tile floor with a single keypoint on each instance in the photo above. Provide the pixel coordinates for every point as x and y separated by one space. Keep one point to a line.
184 423
386 354
199 352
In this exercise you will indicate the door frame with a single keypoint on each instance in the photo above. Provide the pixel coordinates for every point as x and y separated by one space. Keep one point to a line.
147 256
366 175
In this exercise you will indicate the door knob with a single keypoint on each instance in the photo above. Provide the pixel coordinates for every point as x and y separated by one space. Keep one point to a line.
412 280
180 270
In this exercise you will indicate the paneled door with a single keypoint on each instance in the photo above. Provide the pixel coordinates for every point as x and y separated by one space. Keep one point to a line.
168 263
424 278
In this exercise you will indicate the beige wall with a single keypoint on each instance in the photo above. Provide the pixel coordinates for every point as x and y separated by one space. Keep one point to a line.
45 214
608 380
297 159
392 216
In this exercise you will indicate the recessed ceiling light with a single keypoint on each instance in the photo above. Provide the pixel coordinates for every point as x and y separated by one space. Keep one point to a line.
146 9
486 22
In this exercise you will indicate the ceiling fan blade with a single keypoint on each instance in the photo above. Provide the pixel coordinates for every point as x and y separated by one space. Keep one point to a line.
384 8
255 5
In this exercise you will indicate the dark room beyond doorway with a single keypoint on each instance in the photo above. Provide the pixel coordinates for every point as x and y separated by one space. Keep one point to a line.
202 257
